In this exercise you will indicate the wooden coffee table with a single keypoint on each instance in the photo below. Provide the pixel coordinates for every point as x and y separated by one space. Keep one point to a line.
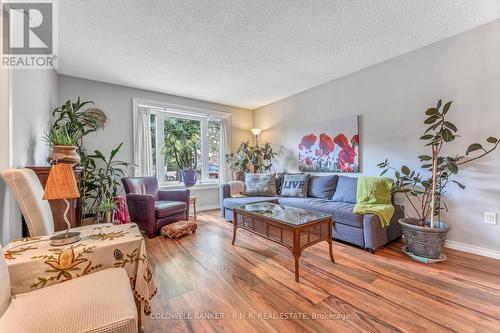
294 228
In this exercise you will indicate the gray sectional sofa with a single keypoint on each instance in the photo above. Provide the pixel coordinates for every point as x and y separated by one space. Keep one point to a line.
362 230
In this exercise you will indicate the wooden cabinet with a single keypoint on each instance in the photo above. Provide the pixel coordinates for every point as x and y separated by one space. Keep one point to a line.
58 206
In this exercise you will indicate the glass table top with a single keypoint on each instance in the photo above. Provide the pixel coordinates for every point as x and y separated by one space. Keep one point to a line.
286 214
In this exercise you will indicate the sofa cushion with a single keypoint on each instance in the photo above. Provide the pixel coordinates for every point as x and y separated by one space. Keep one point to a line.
295 185
260 184
168 208
346 189
229 203
341 211
322 187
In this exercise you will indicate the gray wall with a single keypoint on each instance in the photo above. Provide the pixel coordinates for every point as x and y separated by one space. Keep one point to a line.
117 102
32 95
390 98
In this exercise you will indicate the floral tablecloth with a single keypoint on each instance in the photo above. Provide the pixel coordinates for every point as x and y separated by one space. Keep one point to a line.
33 263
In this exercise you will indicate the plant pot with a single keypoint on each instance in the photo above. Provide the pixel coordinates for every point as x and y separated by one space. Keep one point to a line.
108 216
424 241
88 220
64 154
188 177
239 175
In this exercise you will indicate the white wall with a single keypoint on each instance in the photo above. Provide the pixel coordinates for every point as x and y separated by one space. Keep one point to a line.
32 94
116 101
391 97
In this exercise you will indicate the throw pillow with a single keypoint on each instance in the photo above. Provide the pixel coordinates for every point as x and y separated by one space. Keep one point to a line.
279 182
322 186
295 185
346 190
260 184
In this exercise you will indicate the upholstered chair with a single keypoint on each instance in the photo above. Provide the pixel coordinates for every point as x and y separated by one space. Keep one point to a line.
28 191
152 208
97 302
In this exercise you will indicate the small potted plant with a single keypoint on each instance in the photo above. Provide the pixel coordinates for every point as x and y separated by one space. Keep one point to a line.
107 208
63 144
425 233
250 158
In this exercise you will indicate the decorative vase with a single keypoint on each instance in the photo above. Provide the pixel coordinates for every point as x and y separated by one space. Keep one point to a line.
188 177
64 154
239 175
424 241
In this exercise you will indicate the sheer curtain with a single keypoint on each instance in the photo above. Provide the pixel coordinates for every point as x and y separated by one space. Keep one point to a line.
225 148
142 143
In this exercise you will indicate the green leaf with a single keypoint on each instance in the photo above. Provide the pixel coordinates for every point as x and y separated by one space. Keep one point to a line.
492 139
453 168
426 137
473 147
438 104
431 120
426 166
447 135
462 186
446 107
431 112
450 126
405 170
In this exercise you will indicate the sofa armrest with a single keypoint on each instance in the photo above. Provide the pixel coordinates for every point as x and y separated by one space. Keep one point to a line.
375 235
225 192
174 195
141 208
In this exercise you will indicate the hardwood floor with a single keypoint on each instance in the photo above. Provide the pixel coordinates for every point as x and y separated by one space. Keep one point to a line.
204 275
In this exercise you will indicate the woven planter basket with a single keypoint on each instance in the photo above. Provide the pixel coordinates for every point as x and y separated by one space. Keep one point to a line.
424 241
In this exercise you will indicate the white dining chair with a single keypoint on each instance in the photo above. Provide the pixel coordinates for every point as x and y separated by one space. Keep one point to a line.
28 192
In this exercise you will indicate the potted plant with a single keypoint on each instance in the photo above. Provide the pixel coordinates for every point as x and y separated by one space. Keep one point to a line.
107 208
63 144
104 179
250 158
425 233
183 145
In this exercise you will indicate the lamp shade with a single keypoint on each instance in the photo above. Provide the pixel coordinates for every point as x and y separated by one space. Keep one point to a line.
61 183
256 131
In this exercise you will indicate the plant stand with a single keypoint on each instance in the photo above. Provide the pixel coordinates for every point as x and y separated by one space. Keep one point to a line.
422 259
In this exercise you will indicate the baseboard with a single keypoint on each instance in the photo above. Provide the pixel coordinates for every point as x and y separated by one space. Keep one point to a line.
208 207
473 249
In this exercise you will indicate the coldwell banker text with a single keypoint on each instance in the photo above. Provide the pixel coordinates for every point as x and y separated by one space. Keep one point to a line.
29 35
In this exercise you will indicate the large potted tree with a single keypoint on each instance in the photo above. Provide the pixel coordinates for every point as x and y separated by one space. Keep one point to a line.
425 233
250 159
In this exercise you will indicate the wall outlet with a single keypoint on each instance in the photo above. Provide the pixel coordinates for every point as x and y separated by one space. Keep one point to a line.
490 217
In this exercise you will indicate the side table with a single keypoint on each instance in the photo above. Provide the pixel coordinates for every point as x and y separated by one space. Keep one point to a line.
192 201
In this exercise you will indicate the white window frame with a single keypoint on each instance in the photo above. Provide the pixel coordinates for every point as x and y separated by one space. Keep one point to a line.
164 110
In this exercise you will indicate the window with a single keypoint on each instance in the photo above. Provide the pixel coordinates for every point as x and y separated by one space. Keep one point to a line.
170 129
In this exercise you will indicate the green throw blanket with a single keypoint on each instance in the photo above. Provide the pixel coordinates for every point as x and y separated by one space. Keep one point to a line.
374 197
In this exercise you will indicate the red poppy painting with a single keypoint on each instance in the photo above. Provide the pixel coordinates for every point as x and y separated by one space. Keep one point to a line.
333 149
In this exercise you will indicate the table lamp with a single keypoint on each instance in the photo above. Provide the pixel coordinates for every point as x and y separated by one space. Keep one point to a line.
61 184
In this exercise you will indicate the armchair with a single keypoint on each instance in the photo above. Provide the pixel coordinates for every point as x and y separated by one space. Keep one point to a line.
98 302
152 208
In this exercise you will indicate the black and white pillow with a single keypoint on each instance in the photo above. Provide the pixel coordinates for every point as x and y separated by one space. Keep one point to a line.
295 185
